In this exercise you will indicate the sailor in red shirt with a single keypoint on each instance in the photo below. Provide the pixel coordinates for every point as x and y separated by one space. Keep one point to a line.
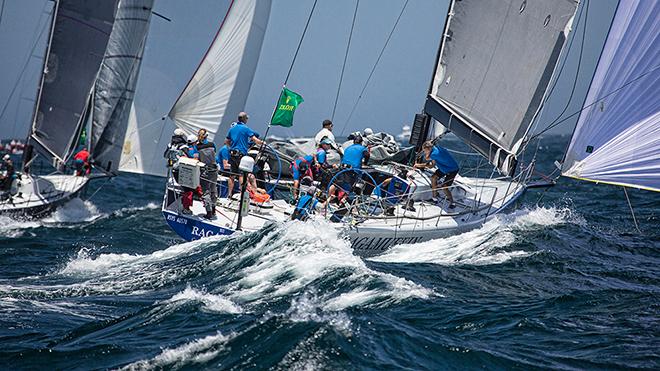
81 161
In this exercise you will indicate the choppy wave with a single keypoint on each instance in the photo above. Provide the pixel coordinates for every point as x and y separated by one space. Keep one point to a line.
72 213
195 352
488 244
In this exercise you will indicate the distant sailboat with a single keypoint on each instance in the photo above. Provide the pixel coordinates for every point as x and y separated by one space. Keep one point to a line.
91 65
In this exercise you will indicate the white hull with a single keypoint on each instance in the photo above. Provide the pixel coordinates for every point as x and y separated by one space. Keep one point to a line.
39 195
370 231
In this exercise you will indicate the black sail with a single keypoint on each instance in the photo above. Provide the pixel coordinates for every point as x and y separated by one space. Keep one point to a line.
115 86
78 40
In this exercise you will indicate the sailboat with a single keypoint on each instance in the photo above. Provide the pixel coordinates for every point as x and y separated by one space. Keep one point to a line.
481 93
617 137
90 70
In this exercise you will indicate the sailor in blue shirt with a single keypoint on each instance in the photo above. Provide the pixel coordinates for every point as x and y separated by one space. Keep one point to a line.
446 166
355 154
353 158
240 136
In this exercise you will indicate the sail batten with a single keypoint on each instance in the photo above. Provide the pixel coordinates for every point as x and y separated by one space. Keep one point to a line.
496 62
617 136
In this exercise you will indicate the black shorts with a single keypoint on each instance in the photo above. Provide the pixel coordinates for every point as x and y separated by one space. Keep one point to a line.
449 177
235 161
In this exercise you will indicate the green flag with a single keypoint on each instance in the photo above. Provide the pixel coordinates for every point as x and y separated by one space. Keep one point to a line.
286 107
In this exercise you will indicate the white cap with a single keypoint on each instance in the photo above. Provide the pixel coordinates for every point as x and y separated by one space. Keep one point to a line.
179 131
367 131
6 157
191 138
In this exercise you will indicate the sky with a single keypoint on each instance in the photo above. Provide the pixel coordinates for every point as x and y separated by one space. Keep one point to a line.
394 94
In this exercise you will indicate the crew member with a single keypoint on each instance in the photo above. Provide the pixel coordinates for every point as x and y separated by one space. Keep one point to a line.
446 167
8 175
301 167
190 150
307 202
326 132
240 136
209 174
222 159
81 162
322 168
177 142
354 156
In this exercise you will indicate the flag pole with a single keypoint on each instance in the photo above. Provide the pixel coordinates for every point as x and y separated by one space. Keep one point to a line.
263 141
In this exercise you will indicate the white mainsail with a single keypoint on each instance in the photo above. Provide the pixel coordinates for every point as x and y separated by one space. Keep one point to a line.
220 85
617 137
496 61
219 88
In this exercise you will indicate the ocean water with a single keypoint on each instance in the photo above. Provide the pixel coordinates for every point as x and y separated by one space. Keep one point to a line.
563 281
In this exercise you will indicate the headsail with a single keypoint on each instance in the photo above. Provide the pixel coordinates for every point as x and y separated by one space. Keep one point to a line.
78 40
222 81
495 63
617 137
115 86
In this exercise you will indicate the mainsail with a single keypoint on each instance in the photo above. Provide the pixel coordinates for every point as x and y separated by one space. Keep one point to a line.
219 88
495 63
115 85
78 40
220 85
617 137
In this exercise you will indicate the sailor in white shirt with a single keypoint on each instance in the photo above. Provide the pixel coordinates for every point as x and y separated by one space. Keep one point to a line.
326 132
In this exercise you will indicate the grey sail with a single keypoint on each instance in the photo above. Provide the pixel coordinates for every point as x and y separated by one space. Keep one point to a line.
78 40
115 85
495 63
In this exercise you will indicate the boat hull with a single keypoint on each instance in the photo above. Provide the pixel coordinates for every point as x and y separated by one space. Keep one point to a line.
39 196
371 236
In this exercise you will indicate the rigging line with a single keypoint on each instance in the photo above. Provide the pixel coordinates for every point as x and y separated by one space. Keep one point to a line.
27 62
577 70
343 67
302 37
570 47
561 69
2 11
632 211
597 100
374 68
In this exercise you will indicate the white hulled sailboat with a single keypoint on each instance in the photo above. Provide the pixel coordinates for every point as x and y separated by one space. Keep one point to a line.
90 69
478 91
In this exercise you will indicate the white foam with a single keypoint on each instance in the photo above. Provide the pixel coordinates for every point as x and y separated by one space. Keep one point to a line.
197 351
292 258
215 303
131 210
481 246
13 228
74 211
309 308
